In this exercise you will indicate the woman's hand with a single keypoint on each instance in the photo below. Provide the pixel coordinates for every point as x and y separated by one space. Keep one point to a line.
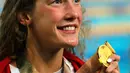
94 66
113 67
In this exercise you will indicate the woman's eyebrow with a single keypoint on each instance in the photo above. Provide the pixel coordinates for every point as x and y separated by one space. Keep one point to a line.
46 1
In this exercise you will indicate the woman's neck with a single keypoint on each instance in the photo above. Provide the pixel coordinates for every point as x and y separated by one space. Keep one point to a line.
45 62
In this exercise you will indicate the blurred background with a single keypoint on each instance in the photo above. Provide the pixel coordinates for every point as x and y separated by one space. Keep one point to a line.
109 20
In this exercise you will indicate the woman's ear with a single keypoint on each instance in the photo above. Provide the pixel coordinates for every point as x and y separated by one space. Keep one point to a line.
24 18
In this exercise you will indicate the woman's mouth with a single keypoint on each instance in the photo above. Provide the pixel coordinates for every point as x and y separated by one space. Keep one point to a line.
68 29
69 33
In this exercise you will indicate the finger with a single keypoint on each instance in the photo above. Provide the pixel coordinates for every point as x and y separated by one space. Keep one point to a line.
115 57
118 68
112 66
115 71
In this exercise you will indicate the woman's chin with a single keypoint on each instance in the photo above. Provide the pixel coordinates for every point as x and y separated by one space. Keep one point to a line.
74 44
71 43
70 40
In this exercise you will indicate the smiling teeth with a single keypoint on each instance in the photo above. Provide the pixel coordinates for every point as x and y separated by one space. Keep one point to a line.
69 28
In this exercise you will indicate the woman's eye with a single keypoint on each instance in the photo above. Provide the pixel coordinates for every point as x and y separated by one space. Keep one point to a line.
56 1
76 1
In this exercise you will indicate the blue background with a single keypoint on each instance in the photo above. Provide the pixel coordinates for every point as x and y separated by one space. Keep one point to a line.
119 15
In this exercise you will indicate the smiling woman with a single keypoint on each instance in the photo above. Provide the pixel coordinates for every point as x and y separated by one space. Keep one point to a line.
35 36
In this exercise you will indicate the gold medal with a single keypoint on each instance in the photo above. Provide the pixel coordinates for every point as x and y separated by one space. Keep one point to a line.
104 52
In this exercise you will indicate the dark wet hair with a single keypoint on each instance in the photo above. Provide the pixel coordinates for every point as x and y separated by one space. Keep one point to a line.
12 33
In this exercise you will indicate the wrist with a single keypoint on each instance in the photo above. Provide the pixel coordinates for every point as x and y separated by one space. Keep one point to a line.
94 65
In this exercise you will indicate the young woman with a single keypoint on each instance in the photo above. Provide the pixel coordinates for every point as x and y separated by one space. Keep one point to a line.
35 36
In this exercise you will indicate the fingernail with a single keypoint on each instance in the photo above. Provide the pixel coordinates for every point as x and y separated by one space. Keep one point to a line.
109 60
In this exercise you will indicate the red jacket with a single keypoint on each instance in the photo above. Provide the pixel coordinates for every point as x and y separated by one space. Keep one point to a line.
76 62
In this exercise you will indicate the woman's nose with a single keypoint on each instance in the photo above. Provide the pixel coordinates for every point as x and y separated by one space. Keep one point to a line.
71 12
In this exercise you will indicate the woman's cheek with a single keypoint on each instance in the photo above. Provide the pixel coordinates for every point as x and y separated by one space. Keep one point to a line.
56 16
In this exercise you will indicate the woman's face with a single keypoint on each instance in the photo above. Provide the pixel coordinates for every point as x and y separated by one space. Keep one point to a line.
56 23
